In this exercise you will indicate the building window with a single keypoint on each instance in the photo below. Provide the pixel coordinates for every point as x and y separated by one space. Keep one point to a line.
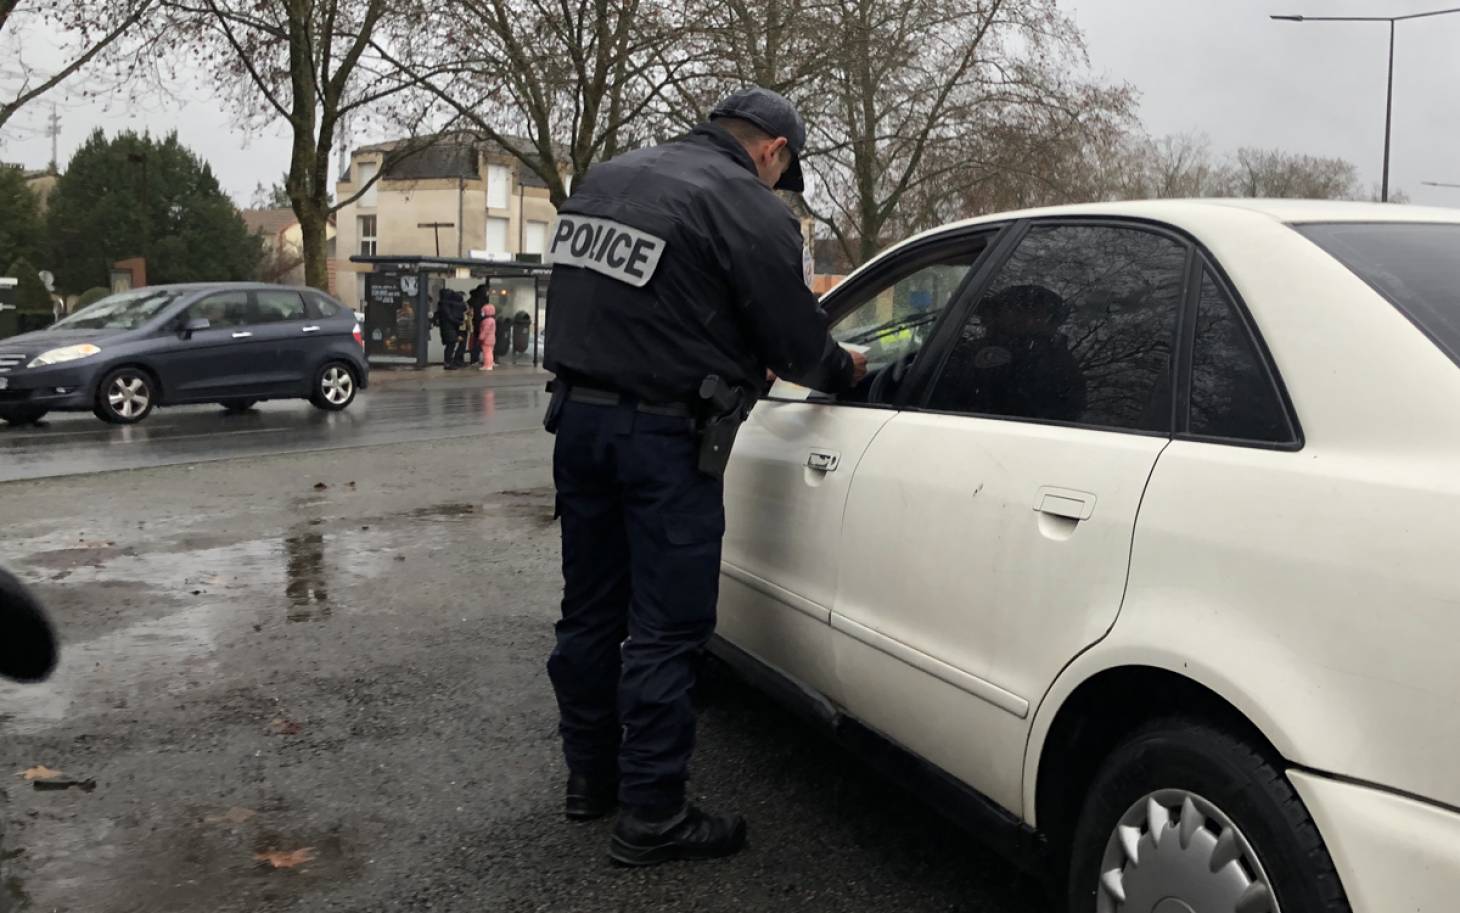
499 181
497 236
534 240
368 245
367 172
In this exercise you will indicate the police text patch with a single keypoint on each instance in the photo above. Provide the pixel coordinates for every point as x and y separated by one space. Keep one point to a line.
602 245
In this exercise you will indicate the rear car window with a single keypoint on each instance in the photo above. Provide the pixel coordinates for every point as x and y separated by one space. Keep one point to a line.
1413 264
320 306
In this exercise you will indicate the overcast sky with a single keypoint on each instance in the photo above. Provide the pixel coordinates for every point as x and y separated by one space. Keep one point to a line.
1217 67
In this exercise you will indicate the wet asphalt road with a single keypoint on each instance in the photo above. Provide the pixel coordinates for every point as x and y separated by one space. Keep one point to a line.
334 658
386 414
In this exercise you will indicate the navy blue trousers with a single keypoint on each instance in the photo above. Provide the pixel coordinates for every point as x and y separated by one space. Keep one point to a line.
642 530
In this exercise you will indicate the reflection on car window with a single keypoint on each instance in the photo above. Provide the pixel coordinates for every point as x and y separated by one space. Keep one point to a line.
274 306
320 306
897 319
1077 327
1231 394
124 311
222 309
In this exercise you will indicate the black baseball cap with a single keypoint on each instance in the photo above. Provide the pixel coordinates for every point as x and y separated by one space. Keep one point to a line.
771 112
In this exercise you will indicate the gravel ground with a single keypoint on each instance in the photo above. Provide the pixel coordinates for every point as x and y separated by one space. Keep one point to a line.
257 665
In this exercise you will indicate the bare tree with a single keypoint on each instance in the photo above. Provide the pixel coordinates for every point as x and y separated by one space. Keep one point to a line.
913 92
1274 173
313 65
558 84
91 31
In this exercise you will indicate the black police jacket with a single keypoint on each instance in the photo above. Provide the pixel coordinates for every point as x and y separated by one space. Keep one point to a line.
676 262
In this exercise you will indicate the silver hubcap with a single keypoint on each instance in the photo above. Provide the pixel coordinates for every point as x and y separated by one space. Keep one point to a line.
1175 852
337 385
128 396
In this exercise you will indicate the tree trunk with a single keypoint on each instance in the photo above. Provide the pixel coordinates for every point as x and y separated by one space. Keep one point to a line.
314 226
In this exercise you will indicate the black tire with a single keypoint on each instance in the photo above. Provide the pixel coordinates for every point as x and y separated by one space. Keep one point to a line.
1240 780
234 406
120 382
22 415
334 387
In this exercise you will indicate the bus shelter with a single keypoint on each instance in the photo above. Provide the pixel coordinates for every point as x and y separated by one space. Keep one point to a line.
400 299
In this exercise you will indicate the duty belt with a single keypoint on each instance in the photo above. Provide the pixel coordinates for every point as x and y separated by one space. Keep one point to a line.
596 397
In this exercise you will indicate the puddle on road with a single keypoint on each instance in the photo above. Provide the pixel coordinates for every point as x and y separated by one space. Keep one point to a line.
305 586
453 511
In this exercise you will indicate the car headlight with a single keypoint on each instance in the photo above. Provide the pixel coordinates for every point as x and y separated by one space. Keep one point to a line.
65 353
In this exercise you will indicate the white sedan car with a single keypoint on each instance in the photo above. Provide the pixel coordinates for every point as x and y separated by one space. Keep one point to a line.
1139 548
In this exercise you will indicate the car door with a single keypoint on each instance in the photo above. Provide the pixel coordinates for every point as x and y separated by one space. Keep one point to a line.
211 362
988 531
787 484
285 340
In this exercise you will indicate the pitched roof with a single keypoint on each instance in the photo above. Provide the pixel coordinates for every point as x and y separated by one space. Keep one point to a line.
268 222
451 155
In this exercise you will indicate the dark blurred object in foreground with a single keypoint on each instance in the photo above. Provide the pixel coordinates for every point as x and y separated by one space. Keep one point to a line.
27 642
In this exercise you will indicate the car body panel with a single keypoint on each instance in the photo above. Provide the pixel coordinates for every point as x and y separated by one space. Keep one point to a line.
946 552
1392 852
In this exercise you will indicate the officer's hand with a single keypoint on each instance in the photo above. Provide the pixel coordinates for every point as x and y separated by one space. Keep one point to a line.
859 366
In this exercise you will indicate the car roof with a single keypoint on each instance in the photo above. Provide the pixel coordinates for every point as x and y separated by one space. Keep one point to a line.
1193 214
191 287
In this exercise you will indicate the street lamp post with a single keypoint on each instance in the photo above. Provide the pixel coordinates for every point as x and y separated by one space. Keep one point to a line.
1389 95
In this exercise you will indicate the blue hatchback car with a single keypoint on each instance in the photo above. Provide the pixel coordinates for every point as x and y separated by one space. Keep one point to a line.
232 344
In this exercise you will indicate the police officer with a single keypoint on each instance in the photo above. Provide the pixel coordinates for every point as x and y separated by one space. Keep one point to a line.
676 269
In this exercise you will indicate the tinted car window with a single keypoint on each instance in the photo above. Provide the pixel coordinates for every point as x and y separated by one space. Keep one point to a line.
124 311
1413 265
222 309
1232 395
273 306
1076 327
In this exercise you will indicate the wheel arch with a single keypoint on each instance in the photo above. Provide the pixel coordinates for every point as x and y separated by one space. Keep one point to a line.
1089 711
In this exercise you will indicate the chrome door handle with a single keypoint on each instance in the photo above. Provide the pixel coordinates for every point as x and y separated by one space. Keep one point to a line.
310 330
823 461
244 335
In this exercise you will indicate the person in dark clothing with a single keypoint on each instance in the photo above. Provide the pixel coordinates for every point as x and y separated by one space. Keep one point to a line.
1016 361
670 264
450 315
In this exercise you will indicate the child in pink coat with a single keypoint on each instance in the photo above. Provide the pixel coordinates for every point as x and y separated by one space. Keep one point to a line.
487 333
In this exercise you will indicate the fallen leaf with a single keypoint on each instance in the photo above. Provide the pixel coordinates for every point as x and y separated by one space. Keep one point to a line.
286 859
235 815
197 592
40 772
286 727
320 486
351 484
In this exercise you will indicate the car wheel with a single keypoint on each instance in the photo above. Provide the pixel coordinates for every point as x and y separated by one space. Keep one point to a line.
237 405
22 415
334 387
1184 816
125 396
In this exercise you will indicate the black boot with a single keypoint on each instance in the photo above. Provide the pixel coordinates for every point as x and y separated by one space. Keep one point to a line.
688 834
587 798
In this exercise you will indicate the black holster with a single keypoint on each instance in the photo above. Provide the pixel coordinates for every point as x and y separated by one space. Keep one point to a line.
554 414
723 409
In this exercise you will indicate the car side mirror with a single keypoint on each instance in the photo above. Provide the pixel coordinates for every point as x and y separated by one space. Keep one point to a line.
27 642
193 326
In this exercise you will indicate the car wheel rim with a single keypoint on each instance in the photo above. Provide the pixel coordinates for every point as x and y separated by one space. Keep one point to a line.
128 396
337 385
1175 852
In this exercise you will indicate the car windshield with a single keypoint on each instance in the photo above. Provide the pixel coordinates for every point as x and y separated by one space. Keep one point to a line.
1413 264
123 311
